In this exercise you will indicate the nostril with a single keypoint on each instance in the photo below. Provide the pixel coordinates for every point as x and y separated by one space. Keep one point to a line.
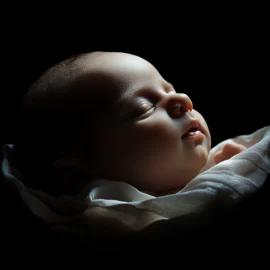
178 109
177 106
182 109
185 107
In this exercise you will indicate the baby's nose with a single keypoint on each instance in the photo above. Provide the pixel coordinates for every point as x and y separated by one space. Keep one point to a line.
179 104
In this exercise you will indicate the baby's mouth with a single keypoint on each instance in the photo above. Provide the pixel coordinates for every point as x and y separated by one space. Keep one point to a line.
194 129
191 132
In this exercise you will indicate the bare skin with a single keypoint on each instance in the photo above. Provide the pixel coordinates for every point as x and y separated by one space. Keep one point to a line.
146 133
229 150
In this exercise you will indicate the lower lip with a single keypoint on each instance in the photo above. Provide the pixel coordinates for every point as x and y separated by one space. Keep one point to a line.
193 135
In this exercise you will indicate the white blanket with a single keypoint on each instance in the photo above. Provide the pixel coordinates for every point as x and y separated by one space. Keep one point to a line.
117 206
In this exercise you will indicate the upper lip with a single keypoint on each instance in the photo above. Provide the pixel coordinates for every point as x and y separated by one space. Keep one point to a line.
193 124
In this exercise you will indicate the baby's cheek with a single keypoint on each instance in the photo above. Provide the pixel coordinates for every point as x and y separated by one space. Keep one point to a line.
205 128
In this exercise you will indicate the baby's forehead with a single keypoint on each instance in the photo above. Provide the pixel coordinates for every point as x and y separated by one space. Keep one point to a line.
104 81
114 73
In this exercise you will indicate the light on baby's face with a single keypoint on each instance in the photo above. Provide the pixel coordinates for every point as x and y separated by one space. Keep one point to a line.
158 141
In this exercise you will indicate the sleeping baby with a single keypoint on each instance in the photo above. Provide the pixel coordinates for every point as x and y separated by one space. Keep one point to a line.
120 146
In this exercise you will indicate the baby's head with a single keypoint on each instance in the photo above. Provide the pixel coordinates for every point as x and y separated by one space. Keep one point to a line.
112 115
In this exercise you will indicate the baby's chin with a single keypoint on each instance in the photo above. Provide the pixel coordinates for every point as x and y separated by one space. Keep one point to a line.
202 158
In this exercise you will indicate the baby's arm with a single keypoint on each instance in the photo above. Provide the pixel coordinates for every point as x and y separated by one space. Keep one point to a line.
230 147
223 151
229 150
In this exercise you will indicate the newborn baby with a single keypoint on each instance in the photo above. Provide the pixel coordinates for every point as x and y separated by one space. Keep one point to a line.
123 147
112 115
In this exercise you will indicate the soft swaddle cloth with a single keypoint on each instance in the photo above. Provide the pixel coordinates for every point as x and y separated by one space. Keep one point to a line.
118 204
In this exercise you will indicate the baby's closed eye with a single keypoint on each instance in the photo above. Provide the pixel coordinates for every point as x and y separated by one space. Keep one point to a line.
143 109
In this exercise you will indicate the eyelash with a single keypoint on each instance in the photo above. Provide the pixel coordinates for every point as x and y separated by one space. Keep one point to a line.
144 108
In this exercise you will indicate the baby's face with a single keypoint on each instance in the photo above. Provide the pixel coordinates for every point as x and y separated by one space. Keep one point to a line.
151 137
